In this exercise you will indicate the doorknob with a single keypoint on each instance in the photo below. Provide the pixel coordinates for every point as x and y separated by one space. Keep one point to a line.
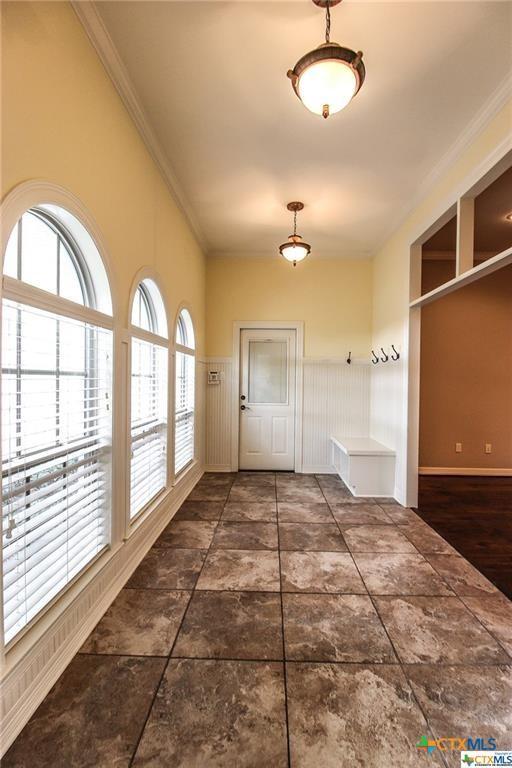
244 408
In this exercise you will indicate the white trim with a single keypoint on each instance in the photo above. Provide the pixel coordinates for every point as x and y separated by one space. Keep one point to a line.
218 468
292 325
17 290
476 126
481 270
318 469
467 471
493 165
36 192
32 674
116 70
149 273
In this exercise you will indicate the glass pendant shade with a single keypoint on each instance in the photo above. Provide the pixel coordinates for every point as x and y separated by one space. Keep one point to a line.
295 250
327 86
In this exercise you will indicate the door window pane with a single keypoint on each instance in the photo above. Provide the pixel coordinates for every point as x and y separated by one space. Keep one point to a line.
268 372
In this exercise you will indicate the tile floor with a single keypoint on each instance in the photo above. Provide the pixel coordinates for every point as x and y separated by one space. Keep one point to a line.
279 621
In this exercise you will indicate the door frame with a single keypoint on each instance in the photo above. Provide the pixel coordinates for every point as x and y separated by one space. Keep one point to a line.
275 325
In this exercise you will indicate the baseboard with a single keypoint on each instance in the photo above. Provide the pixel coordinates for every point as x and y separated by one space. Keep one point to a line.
217 468
467 471
29 681
318 469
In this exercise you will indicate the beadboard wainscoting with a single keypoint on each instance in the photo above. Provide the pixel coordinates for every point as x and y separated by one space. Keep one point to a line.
336 400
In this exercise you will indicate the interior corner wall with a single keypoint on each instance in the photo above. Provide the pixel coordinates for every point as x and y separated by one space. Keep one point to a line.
389 387
466 375
332 297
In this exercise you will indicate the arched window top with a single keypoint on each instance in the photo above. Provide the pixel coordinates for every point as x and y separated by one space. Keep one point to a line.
50 249
148 309
185 330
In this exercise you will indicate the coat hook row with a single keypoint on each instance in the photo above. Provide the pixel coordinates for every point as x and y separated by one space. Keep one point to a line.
384 357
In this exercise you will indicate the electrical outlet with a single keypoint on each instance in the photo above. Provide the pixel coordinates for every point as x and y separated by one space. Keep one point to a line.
458 447
488 447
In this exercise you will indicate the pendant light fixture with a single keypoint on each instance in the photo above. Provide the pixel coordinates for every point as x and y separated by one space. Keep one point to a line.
327 78
295 249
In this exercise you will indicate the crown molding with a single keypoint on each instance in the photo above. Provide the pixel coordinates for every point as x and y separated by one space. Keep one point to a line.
474 128
97 33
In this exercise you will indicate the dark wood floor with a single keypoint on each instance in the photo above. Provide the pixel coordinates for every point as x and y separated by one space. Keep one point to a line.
475 515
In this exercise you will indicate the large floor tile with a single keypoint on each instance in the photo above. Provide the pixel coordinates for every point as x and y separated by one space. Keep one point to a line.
341 496
199 510
360 514
92 717
305 494
217 714
311 536
298 512
255 479
256 571
377 538
320 572
252 493
393 574
354 715
140 622
187 534
209 492
495 613
251 511
400 515
290 479
437 630
232 625
334 628
426 540
465 701
245 535
168 569
462 577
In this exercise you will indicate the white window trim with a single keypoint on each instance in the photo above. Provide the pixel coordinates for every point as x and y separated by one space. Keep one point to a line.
131 524
22 198
192 351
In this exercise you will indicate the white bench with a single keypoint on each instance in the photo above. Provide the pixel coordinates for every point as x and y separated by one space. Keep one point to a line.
365 466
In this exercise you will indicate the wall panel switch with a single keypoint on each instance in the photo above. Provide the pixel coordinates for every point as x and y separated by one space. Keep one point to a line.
458 447
488 447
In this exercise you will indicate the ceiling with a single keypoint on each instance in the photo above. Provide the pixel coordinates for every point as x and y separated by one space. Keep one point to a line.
210 78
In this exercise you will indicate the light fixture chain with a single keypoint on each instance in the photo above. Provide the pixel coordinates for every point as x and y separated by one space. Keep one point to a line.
327 22
295 222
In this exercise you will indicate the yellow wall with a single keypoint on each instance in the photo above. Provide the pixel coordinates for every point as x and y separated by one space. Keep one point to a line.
64 122
332 297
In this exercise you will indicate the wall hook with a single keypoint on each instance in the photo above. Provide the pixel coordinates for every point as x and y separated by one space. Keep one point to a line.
386 357
375 359
349 358
396 356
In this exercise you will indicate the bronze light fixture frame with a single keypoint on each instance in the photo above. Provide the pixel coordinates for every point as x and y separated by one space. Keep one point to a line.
294 239
328 51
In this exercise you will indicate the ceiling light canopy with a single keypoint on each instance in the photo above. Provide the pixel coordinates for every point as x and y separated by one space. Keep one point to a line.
295 249
327 78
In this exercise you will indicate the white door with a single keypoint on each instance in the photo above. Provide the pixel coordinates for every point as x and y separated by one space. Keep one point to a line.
267 399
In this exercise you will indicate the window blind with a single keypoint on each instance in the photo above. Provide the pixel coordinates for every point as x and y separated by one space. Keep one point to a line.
148 466
56 455
184 425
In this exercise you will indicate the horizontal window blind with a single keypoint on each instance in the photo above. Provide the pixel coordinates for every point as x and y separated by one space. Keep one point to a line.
148 466
56 449
184 424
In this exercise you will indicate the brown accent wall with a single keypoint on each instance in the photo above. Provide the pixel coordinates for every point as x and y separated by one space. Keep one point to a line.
466 373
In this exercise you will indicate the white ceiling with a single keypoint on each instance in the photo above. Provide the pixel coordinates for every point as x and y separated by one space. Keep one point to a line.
211 80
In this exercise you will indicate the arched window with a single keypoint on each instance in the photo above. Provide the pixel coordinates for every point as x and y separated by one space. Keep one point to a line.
56 410
149 363
185 392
